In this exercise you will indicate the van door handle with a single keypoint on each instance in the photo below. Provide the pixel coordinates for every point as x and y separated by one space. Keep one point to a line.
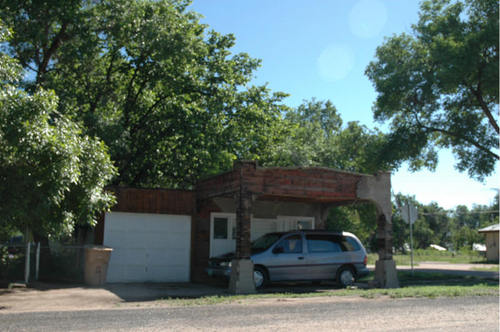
300 257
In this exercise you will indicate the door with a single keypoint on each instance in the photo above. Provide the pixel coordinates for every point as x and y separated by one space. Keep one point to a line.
287 260
292 223
261 226
325 255
222 234
148 247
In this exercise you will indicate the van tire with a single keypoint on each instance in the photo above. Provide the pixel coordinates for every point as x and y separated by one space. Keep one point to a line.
346 276
260 277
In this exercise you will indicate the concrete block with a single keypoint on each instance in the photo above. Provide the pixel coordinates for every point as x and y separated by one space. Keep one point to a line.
386 274
241 281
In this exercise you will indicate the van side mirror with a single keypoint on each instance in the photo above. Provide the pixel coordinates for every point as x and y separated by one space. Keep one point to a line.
278 250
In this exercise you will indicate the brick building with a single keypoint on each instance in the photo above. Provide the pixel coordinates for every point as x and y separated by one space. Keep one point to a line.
169 235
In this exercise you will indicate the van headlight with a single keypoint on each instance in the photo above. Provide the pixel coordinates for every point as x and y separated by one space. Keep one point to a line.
225 264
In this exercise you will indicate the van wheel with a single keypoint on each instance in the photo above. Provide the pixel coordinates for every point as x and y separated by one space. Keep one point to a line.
345 276
260 278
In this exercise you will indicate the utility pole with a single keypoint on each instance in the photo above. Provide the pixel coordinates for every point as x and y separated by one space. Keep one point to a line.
410 214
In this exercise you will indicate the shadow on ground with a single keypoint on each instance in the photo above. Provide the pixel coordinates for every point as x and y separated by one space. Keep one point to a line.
135 292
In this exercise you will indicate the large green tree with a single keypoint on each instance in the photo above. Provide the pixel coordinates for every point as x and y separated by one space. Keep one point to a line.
162 90
438 86
52 177
316 136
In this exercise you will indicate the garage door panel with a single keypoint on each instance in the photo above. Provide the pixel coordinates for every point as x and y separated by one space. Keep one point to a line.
148 247
172 256
163 274
131 256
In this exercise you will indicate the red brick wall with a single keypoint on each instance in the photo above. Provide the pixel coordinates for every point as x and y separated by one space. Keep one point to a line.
311 183
221 185
161 201
200 240
164 201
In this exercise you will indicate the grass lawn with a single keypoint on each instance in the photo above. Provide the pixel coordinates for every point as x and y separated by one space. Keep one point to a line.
430 255
421 284
493 268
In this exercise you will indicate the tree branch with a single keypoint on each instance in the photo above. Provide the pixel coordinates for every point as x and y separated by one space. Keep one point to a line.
478 94
107 86
453 134
47 55
474 143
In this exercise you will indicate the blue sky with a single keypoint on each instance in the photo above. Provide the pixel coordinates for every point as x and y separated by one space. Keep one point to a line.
320 48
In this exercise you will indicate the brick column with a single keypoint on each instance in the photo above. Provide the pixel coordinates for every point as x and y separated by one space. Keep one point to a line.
244 202
321 215
384 237
241 281
377 189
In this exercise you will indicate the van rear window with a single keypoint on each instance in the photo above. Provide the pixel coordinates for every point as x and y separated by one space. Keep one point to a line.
331 243
323 243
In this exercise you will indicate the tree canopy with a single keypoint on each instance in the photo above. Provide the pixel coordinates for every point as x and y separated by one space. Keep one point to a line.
160 89
316 136
439 86
52 176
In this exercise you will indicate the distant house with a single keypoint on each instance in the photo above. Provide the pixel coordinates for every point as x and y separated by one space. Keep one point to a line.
491 241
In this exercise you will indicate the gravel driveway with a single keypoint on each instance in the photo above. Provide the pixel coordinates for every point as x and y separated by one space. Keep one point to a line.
314 314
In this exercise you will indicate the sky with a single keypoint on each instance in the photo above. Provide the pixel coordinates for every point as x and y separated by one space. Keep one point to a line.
320 49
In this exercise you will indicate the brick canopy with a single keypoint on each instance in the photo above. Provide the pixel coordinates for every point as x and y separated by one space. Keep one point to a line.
312 184
320 188
326 187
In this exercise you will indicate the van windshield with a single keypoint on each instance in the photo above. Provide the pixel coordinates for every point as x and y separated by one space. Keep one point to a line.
264 242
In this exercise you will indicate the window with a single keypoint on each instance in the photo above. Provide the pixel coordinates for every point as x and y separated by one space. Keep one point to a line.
349 244
304 224
291 245
220 228
323 243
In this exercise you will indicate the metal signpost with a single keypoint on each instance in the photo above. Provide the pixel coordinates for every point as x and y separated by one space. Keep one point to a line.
410 214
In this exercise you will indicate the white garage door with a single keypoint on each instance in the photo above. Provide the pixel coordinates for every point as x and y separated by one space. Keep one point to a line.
148 247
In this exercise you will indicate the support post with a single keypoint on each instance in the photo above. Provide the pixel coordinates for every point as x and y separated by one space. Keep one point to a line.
241 280
27 263
377 189
321 216
385 267
37 262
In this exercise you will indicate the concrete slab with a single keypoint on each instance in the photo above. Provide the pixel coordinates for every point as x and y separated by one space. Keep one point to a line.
64 297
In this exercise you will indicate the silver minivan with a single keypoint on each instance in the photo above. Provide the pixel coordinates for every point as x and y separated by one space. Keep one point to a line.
301 256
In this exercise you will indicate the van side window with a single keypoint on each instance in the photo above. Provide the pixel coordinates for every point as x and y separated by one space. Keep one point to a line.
349 244
291 244
323 243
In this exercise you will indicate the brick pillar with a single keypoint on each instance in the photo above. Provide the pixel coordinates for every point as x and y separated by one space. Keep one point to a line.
241 281
244 202
384 237
377 189
385 267
321 215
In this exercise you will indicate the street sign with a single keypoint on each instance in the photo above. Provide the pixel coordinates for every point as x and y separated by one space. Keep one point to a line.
409 213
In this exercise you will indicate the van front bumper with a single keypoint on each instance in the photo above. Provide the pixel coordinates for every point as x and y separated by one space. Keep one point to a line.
219 271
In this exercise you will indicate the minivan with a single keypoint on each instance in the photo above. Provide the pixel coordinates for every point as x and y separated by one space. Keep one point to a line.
306 255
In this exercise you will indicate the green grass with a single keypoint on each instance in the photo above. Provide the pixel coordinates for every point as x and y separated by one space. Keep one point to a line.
420 284
493 268
431 255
